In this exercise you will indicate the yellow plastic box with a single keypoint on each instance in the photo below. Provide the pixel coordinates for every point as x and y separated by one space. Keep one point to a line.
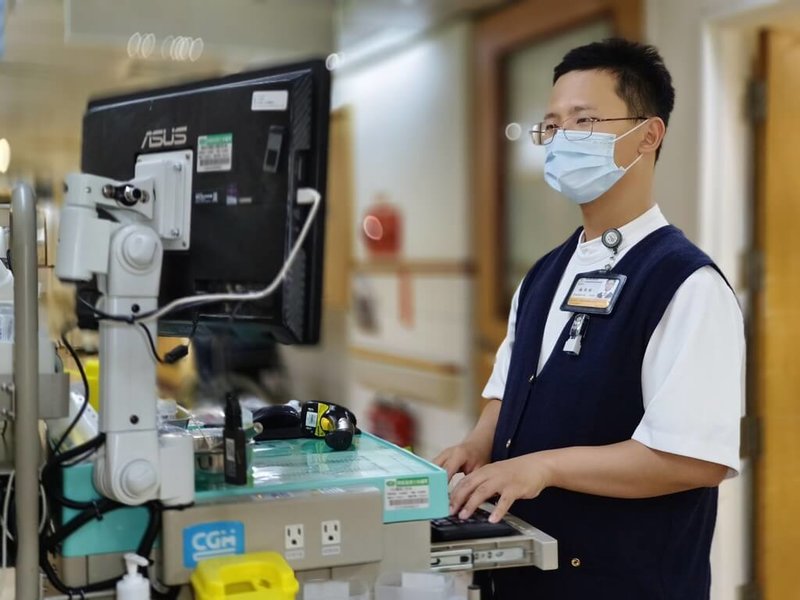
254 576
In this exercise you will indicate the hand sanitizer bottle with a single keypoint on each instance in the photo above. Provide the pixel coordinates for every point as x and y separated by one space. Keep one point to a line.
133 586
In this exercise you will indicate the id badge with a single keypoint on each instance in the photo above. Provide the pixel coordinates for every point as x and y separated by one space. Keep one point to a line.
594 293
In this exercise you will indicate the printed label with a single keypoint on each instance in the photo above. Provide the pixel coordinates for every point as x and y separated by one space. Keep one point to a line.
331 550
219 538
205 198
311 419
407 492
295 554
270 100
214 153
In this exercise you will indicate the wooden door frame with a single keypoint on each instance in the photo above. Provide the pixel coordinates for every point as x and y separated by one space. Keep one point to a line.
341 185
496 36
774 488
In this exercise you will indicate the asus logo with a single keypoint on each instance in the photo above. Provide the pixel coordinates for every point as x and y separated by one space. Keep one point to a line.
163 138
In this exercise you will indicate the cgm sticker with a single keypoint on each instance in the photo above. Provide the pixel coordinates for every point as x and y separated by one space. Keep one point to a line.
207 540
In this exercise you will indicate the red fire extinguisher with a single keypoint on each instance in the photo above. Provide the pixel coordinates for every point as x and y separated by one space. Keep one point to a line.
391 421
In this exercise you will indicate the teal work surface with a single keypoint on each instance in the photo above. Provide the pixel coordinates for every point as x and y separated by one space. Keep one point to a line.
413 489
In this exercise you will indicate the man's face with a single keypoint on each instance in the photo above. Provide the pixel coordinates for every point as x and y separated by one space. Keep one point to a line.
592 94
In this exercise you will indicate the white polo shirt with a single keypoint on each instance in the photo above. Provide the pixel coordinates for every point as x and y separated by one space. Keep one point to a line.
694 365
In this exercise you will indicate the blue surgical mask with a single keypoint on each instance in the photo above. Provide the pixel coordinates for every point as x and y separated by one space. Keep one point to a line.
583 170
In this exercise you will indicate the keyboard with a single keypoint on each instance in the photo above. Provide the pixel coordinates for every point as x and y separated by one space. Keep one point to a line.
476 527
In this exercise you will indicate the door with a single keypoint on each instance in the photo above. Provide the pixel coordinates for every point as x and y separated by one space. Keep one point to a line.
518 218
777 322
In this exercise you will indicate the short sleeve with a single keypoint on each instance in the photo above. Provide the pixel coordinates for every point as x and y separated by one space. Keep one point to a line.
496 385
693 374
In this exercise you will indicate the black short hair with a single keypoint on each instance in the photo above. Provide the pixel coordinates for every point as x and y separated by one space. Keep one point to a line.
643 81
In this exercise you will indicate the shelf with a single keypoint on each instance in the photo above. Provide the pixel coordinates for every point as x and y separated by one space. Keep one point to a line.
406 362
433 383
415 267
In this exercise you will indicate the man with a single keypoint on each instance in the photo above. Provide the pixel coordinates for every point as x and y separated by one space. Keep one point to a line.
614 446
608 289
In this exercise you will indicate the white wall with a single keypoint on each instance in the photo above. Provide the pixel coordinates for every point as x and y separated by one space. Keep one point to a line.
411 129
411 144
674 27
411 140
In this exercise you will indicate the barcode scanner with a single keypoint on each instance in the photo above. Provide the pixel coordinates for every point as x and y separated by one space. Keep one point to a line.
334 423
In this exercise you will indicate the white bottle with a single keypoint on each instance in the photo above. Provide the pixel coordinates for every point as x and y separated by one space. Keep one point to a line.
133 586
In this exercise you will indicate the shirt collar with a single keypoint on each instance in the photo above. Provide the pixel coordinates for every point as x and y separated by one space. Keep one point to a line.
632 233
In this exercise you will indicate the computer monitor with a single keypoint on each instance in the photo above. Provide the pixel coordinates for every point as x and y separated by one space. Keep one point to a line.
257 137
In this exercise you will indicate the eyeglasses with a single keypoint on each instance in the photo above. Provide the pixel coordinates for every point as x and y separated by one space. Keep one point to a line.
574 128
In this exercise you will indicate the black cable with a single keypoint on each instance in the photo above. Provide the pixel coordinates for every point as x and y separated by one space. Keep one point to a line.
171 594
135 317
152 344
59 460
104 315
195 322
97 509
170 358
148 540
48 543
85 380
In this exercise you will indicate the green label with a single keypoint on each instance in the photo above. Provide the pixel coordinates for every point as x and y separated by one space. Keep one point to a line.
217 138
406 493
412 481
214 152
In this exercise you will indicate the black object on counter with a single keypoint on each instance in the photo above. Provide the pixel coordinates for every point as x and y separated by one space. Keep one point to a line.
278 422
234 442
334 423
331 422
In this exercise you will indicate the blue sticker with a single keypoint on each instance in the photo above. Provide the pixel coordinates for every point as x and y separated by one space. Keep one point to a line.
207 540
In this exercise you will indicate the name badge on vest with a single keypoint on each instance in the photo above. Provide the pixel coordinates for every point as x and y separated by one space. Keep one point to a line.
595 292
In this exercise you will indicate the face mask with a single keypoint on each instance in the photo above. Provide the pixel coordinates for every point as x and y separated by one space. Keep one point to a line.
584 170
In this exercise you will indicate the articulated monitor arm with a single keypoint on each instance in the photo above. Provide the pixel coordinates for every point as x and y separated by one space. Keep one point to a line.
151 212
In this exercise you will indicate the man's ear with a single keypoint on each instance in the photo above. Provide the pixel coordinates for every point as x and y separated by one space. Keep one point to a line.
654 135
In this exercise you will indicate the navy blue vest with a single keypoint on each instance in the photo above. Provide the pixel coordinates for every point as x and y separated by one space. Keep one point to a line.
609 548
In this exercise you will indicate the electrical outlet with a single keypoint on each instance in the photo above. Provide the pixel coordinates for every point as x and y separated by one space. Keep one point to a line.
294 537
331 533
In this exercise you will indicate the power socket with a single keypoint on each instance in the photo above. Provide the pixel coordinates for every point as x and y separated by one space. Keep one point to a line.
331 533
294 536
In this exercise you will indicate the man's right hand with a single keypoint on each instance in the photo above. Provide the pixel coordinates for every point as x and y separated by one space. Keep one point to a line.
476 450
463 458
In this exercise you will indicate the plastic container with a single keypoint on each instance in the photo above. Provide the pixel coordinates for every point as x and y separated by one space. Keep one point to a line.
335 590
133 586
414 586
91 366
85 429
254 576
